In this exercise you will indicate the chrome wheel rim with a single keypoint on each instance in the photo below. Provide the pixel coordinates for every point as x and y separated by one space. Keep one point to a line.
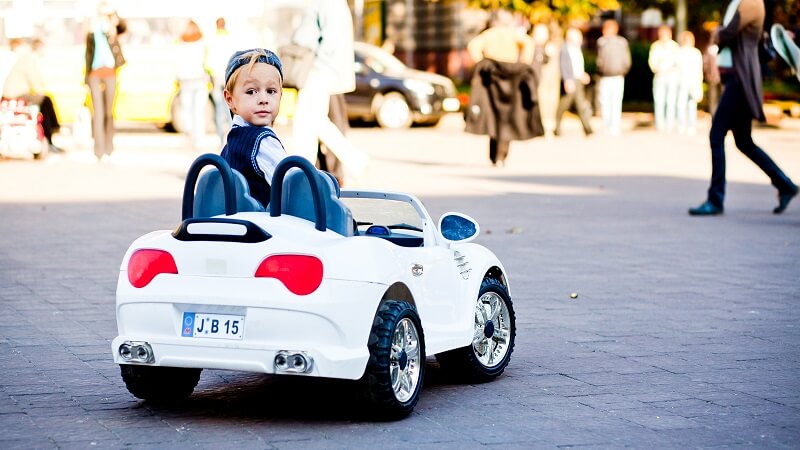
394 111
492 329
404 360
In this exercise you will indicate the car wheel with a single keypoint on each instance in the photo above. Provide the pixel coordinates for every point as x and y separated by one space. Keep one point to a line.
493 337
160 384
392 111
396 365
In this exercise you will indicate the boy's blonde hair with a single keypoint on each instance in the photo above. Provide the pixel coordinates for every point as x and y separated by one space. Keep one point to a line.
246 59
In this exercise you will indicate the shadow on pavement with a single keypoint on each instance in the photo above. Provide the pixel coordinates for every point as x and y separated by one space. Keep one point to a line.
228 395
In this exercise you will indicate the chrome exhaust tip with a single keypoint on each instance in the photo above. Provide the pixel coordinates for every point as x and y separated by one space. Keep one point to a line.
125 351
293 362
136 352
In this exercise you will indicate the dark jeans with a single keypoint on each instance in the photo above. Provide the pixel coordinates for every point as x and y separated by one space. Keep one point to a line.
734 115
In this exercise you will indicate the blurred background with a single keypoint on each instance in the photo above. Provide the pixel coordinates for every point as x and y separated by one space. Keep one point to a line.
428 35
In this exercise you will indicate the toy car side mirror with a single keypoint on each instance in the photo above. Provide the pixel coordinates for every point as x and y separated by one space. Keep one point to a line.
456 227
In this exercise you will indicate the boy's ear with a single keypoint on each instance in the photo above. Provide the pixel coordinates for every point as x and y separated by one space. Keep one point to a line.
228 99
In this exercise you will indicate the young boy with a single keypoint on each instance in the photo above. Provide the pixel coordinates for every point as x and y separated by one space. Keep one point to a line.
253 89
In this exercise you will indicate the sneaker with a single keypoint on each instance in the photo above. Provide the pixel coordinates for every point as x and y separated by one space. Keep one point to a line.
784 199
706 209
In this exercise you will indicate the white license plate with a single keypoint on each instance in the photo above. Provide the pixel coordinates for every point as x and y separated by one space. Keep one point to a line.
215 326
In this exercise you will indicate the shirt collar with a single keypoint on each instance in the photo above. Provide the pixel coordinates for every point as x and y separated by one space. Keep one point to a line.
238 121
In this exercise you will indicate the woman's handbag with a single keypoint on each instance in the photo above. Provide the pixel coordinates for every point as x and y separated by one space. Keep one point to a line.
297 61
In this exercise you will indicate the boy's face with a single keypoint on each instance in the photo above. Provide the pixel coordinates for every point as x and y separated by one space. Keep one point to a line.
256 96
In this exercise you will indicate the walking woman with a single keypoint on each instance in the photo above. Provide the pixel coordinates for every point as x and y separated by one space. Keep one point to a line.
189 58
741 102
103 58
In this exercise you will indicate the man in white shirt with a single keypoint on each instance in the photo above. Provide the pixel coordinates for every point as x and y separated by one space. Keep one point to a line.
663 61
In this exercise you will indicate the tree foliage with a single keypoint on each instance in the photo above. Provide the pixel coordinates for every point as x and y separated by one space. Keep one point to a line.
701 12
546 10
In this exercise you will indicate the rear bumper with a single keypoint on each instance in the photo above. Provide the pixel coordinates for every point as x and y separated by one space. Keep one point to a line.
331 325
328 361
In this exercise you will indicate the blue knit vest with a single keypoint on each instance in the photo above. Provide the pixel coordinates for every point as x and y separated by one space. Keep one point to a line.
240 152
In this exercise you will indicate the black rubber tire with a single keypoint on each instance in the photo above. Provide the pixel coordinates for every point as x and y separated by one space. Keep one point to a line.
463 363
159 384
376 382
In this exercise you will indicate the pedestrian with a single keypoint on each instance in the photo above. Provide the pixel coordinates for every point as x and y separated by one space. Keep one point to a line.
219 47
545 63
327 29
253 90
711 76
573 80
103 58
189 59
663 61
613 63
503 94
690 83
326 159
25 81
741 102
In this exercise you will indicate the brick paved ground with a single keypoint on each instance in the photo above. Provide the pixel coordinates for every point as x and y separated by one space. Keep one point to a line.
685 332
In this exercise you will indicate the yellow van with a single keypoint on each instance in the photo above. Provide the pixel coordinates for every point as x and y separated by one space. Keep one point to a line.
146 85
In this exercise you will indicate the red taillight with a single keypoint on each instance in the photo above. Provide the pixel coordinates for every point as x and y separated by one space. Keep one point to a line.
301 274
144 265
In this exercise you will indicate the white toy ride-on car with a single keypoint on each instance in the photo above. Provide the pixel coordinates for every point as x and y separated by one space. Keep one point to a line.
350 284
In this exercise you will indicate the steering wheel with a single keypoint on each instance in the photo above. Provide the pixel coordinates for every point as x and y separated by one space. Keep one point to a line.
378 230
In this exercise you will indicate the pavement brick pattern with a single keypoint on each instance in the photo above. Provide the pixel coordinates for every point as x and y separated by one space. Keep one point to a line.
684 332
